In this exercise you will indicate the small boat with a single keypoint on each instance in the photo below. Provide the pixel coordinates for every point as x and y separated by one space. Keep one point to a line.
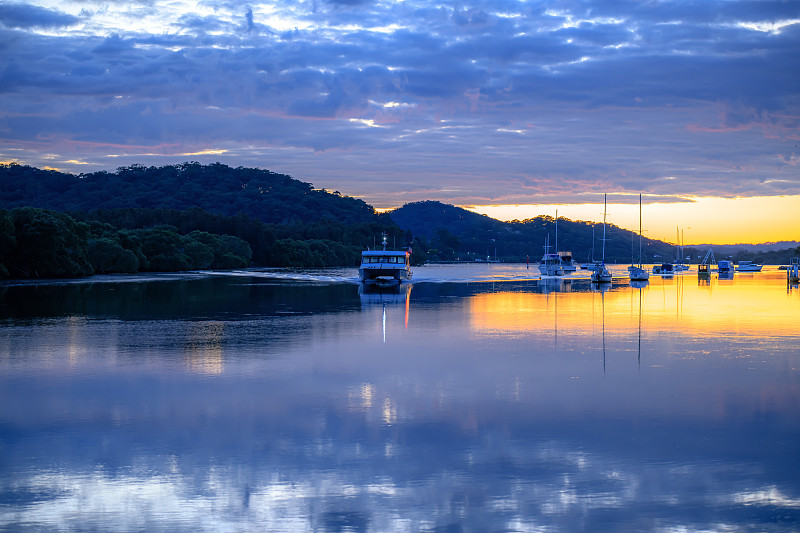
601 274
793 270
678 265
385 266
748 266
704 268
725 266
637 273
567 264
550 264
665 269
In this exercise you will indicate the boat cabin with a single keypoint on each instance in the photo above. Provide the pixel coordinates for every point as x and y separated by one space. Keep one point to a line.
383 256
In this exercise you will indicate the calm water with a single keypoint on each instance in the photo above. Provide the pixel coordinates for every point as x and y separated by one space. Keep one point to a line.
477 399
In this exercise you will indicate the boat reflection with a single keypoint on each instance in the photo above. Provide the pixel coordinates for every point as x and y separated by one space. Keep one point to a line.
378 294
555 284
395 294
601 287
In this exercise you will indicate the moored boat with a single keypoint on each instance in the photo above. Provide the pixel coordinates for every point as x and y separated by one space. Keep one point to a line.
793 270
748 266
567 263
724 266
636 272
602 274
550 264
665 269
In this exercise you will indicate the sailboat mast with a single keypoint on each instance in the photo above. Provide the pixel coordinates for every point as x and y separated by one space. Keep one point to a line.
604 228
640 230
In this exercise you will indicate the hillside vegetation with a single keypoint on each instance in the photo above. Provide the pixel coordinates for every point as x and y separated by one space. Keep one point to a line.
193 216
455 233
260 194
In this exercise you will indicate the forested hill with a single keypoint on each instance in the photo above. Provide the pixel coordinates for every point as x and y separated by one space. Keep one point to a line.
453 229
263 195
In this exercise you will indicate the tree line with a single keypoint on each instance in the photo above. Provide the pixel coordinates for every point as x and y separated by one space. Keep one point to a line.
193 216
41 243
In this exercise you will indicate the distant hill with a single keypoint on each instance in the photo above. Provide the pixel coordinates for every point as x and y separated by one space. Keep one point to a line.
454 232
263 195
423 219
728 249
281 217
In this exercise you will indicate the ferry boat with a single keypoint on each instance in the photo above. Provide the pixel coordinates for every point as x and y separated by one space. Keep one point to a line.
748 266
385 266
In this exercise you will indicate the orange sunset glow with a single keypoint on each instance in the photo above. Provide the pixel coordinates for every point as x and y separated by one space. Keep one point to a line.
706 220
667 306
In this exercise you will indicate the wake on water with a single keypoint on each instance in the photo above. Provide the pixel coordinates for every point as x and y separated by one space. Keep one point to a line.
445 273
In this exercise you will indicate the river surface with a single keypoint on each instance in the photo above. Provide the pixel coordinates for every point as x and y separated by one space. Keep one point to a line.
477 398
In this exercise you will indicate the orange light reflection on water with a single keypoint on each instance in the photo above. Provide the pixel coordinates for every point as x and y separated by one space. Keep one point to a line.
749 305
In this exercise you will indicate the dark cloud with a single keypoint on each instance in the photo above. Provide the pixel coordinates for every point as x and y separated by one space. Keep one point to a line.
30 16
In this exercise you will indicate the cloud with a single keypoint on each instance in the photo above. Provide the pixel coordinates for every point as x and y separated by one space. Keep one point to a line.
490 101
30 16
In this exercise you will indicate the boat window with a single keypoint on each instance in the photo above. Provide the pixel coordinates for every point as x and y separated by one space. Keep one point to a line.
373 259
392 259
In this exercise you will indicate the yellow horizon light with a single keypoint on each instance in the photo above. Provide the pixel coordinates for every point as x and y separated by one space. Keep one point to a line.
705 220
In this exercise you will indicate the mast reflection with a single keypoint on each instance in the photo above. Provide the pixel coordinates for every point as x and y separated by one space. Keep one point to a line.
383 295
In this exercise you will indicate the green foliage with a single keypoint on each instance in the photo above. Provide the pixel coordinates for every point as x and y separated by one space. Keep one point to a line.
39 243
107 255
445 233
265 196
44 244
315 253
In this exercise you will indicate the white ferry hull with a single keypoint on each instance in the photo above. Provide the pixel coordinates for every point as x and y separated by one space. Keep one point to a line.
383 274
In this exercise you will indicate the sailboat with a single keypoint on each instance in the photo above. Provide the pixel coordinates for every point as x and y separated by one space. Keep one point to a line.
592 264
637 273
601 274
564 258
550 264
679 266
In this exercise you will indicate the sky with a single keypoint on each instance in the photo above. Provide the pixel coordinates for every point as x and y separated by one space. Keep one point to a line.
509 108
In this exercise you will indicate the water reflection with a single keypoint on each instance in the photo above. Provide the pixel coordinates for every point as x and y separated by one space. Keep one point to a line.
254 404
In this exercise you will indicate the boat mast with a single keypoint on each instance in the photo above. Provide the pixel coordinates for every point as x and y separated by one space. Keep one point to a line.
556 230
604 228
640 231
